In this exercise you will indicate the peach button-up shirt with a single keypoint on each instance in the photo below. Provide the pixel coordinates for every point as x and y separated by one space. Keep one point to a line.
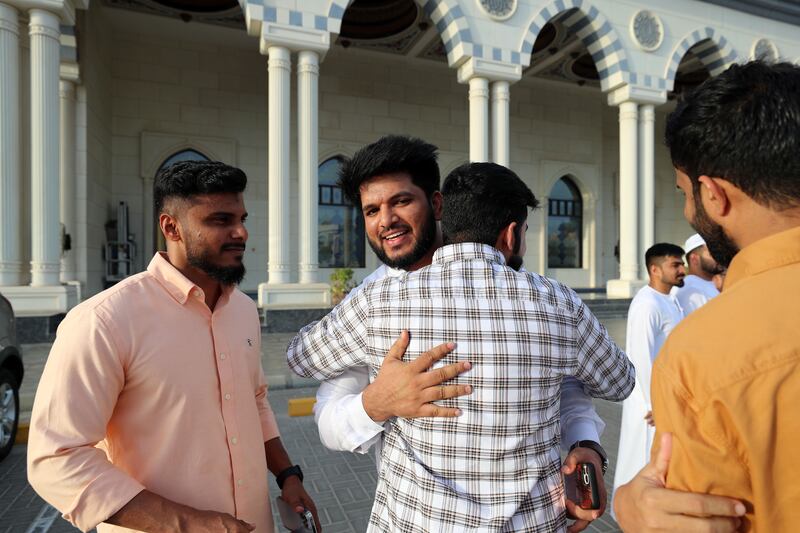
145 387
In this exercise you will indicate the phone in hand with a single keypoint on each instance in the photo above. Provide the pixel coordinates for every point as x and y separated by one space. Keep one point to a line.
294 521
586 481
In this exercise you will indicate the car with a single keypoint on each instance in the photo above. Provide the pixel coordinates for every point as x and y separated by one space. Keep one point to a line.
11 372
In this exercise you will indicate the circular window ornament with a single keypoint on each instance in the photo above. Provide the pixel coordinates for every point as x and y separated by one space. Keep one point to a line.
647 30
764 50
498 9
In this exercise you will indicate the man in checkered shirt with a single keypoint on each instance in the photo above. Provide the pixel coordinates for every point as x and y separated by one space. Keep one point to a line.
495 467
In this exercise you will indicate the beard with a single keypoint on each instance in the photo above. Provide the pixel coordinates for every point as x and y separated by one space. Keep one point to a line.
425 240
709 266
200 258
720 246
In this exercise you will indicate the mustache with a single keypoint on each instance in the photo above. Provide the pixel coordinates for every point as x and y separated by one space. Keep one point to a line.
393 229
234 246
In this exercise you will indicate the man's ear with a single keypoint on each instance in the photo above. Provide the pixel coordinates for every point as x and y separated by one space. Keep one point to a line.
714 193
507 239
437 202
169 227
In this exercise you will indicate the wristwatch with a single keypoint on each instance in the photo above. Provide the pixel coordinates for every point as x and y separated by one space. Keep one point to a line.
592 445
288 472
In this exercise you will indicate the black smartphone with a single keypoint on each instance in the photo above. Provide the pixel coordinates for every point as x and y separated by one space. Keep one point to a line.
586 481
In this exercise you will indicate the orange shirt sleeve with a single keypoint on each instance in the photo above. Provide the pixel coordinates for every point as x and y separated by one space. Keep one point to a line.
703 459
74 401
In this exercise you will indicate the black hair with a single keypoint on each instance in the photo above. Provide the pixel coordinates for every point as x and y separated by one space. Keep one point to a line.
743 126
389 155
656 253
480 199
186 179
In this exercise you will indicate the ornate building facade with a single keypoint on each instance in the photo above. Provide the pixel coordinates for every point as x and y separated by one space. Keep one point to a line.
571 94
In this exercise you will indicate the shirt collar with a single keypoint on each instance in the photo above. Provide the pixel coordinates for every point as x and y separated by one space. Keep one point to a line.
176 284
768 253
468 250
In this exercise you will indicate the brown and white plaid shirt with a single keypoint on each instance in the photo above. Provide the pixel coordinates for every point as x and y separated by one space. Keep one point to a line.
497 466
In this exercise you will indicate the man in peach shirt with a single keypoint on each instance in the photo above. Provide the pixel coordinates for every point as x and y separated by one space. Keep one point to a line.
726 384
152 410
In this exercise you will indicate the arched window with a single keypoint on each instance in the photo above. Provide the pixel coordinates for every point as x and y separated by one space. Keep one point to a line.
183 155
564 225
341 225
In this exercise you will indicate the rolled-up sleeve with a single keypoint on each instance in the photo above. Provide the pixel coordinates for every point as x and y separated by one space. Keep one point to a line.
74 402
269 426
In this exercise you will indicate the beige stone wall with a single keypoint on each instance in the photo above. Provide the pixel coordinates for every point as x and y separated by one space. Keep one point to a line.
95 201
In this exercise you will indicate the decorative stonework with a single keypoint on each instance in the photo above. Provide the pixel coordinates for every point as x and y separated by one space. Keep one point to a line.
498 9
647 30
765 49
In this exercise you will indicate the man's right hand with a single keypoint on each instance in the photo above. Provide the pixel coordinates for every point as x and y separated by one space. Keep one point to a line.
148 511
645 505
409 389
213 522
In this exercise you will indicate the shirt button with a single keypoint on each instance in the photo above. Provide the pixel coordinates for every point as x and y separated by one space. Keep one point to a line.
227 396
240 482
234 440
222 356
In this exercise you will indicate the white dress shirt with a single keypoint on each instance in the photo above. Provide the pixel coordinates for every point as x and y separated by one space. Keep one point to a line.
695 293
651 317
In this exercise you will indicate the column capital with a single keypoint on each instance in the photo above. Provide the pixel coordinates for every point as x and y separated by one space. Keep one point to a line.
279 57
9 19
491 70
293 38
69 72
478 87
500 90
308 62
639 95
64 10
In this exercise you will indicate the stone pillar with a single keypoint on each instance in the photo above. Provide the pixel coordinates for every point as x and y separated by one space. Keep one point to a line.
647 195
307 155
280 67
68 185
500 136
10 164
478 119
628 192
46 239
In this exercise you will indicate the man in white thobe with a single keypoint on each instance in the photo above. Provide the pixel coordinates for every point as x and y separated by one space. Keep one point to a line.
698 286
652 315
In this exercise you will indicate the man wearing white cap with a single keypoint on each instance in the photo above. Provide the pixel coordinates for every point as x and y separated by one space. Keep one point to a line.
698 286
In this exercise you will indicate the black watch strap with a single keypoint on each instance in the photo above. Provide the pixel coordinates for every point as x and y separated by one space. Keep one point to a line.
288 472
592 445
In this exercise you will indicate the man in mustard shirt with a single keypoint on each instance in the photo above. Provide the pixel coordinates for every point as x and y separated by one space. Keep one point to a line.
726 384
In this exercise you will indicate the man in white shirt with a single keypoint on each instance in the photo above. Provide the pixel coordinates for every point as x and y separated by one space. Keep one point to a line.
652 315
395 182
698 287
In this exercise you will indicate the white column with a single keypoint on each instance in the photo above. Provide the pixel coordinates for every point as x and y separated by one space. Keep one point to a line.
307 138
67 191
478 119
628 192
500 99
10 165
46 246
647 194
279 69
